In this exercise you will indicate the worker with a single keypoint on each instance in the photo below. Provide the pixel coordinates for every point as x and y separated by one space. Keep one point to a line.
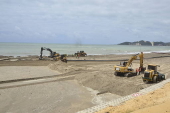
78 55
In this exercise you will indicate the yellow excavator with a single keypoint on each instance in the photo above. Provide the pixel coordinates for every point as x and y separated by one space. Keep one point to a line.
54 55
125 68
152 75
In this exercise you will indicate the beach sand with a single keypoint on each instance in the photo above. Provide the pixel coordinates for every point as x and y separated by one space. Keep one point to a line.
68 87
157 101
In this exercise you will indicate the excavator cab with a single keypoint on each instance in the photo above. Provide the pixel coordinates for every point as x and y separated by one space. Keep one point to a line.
123 63
55 54
153 67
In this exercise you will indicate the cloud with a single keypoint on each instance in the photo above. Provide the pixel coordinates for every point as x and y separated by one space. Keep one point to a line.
91 21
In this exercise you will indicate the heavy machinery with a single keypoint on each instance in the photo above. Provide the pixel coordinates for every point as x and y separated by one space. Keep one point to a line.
125 68
54 55
63 58
152 75
80 54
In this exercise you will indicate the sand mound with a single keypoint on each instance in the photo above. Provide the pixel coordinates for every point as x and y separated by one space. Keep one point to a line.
63 67
107 82
100 76
60 66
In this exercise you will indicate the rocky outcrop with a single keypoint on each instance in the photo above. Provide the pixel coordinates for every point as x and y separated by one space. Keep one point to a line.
146 43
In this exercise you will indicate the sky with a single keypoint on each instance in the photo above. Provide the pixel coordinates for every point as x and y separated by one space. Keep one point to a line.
84 21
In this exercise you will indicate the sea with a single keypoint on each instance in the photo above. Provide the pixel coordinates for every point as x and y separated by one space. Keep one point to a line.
27 49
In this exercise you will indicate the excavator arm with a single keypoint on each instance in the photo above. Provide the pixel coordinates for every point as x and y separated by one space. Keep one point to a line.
142 69
141 59
131 59
134 58
48 49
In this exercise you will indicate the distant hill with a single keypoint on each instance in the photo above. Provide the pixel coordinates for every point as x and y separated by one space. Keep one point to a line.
146 43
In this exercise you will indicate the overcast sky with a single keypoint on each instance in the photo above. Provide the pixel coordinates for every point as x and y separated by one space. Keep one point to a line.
84 21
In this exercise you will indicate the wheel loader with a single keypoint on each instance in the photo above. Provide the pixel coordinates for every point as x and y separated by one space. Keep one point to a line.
63 58
80 54
152 75
125 68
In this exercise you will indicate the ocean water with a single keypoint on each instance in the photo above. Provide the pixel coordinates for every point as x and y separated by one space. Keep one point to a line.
25 49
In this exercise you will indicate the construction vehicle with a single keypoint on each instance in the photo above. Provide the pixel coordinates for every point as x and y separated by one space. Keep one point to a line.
54 55
80 54
152 75
125 68
63 58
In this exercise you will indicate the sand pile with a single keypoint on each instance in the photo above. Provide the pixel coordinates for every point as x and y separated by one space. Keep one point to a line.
60 66
63 67
108 82
100 75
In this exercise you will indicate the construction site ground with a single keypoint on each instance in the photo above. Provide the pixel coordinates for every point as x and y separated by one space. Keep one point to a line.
30 85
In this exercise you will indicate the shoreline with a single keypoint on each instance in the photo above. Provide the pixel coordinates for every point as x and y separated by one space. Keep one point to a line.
95 55
116 53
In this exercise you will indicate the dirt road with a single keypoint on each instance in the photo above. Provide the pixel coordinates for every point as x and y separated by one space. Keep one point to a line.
46 97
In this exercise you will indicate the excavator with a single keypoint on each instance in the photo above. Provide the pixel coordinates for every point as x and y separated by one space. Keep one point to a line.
152 75
125 67
54 55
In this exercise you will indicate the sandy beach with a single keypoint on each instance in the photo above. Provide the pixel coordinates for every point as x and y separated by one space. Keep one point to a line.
84 56
155 102
32 85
